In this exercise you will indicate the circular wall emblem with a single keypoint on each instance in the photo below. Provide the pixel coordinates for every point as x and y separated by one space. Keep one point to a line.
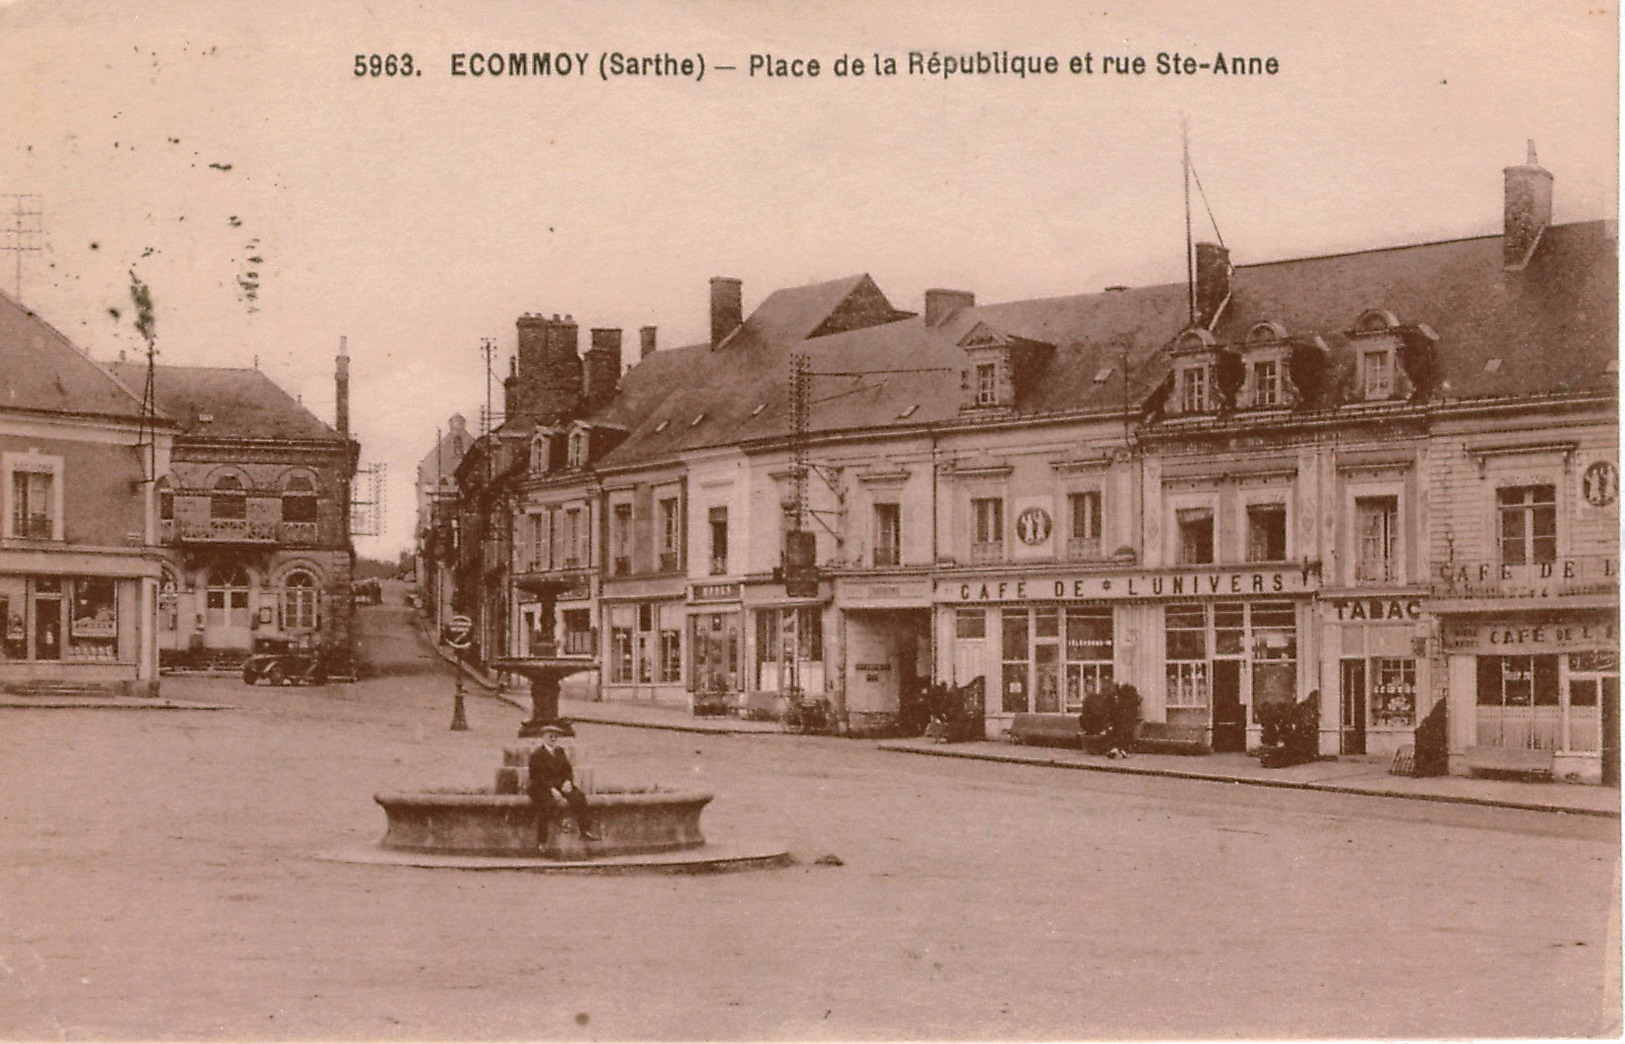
1033 526
1600 486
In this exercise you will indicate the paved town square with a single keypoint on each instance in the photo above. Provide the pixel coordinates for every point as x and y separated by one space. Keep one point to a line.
162 881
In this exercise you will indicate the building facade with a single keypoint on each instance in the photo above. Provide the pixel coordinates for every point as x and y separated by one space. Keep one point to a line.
253 519
79 557
1383 483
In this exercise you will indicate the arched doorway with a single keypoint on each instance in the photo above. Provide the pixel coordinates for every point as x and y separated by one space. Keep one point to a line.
301 602
227 618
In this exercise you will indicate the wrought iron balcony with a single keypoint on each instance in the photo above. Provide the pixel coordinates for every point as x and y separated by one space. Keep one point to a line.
228 531
298 532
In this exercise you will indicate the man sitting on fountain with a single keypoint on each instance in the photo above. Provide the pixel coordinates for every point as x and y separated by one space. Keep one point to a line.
552 780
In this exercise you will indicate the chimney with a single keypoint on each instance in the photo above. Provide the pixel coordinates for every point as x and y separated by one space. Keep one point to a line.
1212 282
341 388
602 367
1528 211
942 305
558 385
727 308
647 334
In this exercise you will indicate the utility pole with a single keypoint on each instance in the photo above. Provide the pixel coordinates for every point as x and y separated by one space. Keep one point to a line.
26 234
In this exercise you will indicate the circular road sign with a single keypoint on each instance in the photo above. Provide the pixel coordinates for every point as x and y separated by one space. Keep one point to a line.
459 632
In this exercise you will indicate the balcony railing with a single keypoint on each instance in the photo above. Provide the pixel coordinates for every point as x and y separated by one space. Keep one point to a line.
887 555
1081 549
298 532
989 551
1490 578
1376 571
32 526
228 531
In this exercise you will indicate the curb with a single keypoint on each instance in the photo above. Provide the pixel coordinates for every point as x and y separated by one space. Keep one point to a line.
1280 784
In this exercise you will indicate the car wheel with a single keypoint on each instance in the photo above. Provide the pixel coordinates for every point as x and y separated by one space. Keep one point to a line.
250 675
276 675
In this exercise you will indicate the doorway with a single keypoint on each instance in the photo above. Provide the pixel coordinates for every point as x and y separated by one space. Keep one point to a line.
1229 718
1353 731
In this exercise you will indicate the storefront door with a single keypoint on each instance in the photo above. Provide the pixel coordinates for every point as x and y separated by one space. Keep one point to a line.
47 619
1353 733
1610 731
1229 720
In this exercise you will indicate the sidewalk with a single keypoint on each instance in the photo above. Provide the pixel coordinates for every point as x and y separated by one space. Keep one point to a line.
1345 775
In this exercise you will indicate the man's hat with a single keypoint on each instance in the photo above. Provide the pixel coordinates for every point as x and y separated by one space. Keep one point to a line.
553 730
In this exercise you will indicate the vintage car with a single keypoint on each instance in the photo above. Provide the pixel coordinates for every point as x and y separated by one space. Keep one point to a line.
285 661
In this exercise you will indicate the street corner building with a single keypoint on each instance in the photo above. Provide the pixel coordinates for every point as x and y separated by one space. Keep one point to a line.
1381 486
80 562
253 519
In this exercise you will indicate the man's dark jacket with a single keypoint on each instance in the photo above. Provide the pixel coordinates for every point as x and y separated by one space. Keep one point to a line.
549 770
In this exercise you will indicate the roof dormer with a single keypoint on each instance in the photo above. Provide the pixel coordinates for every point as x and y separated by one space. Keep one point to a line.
998 368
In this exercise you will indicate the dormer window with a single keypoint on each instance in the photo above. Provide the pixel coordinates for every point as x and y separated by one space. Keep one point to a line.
1267 382
538 454
1377 373
1193 388
987 384
578 448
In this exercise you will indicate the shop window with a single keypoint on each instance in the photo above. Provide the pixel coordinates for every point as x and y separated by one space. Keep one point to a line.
1274 630
1185 634
714 652
1266 532
789 649
719 541
578 637
1083 539
671 534
299 500
1519 702
93 619
970 624
1195 531
300 598
1088 653
987 529
13 618
226 600
620 649
671 644
1393 692
1528 524
33 504
1376 525
1015 632
888 534
229 499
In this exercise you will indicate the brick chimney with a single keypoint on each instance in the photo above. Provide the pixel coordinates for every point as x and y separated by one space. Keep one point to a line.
647 337
727 308
1528 211
942 305
602 367
341 389
1212 282
547 381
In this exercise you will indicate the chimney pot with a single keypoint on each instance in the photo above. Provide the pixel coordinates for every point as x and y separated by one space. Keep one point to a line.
727 308
942 305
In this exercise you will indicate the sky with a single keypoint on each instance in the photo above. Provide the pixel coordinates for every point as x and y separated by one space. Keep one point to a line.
228 156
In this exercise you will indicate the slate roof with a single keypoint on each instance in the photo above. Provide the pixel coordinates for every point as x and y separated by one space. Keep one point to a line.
43 371
1553 325
244 403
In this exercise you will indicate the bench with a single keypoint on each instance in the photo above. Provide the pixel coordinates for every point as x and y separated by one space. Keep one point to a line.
1509 761
1159 737
1047 730
763 706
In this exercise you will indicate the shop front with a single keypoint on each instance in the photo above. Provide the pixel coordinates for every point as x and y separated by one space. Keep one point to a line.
1205 649
884 654
1545 681
90 624
785 649
716 635
1375 648
644 625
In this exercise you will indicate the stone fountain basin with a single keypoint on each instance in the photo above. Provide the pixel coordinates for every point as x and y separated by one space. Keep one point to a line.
632 821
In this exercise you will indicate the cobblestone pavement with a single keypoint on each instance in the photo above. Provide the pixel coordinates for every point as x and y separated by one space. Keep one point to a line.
159 879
